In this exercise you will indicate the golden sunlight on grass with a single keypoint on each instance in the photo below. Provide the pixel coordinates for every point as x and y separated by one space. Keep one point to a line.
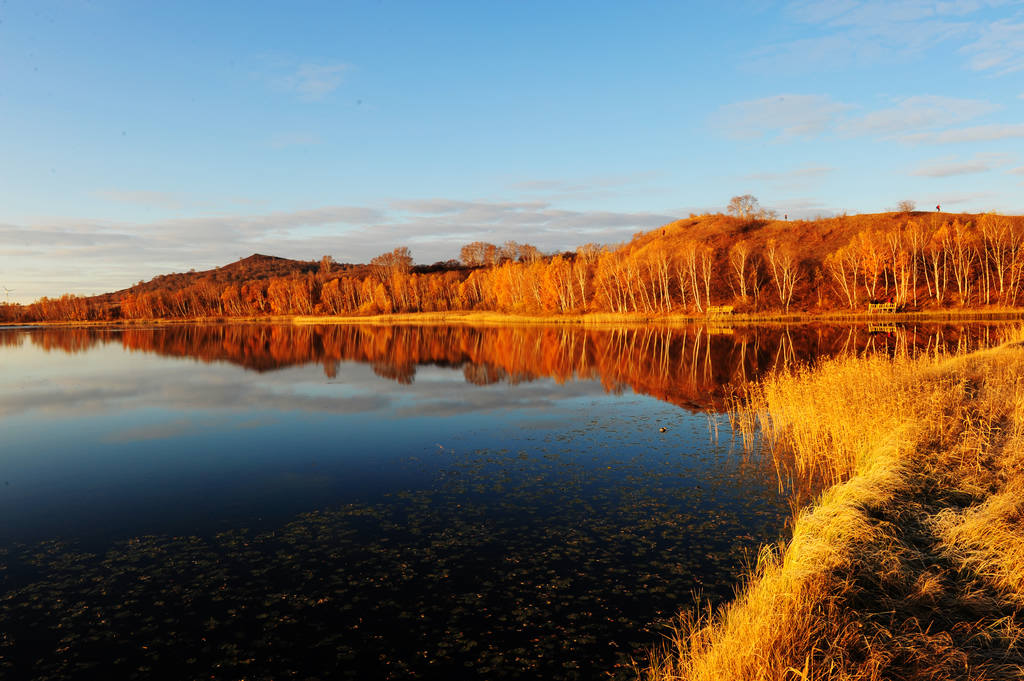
910 563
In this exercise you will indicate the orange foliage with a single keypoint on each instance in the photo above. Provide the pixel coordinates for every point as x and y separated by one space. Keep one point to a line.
914 260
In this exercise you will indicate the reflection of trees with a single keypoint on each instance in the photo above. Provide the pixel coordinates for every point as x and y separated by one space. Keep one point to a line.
694 366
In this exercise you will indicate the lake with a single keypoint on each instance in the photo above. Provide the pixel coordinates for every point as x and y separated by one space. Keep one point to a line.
279 501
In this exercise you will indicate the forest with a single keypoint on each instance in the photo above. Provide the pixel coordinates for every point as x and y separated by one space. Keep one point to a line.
756 264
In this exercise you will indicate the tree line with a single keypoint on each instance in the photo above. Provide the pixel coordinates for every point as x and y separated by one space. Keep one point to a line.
915 260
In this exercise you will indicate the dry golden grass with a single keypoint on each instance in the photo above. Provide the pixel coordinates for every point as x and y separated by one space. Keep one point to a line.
626 318
910 563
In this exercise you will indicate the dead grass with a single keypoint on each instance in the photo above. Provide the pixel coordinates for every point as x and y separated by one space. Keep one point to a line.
910 563
626 318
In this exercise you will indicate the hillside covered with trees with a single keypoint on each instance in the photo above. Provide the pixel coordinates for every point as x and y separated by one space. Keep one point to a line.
749 260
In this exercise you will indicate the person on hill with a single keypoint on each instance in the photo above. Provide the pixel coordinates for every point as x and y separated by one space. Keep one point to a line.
938 207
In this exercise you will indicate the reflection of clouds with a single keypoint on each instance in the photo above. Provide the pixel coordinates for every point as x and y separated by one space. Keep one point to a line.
165 383
174 385
50 396
246 395
164 430
466 398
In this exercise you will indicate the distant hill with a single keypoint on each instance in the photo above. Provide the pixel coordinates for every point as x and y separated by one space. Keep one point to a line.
256 266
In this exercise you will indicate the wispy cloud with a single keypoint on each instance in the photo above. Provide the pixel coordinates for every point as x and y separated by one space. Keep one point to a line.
798 173
156 199
795 180
113 255
785 115
315 81
919 119
948 167
173 201
284 140
958 198
799 208
883 31
917 113
583 184
1016 171
999 48
977 133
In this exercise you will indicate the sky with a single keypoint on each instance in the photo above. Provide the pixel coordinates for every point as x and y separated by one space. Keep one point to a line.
140 138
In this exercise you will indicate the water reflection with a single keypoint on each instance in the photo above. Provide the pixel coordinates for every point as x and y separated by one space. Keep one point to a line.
690 366
504 498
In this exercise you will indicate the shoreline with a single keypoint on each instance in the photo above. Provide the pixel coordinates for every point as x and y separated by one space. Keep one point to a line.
907 562
587 319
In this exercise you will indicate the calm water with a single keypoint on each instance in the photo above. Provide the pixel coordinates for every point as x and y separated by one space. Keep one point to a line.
270 502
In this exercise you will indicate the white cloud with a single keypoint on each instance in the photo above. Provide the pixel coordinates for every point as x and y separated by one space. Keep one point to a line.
316 81
156 199
958 198
798 208
999 48
108 256
809 172
173 201
792 181
885 31
948 167
284 140
919 112
978 133
1016 171
917 119
787 115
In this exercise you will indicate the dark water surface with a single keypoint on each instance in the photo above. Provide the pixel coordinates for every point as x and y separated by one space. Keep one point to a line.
270 502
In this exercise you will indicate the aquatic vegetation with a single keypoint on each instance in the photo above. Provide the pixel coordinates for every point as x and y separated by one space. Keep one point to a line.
560 544
560 561
908 564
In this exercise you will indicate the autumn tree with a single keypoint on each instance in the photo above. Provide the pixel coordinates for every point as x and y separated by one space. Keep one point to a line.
475 254
326 263
842 265
745 206
693 257
738 255
748 208
387 264
785 270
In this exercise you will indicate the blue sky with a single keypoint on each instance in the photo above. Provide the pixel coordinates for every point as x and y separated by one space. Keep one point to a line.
141 138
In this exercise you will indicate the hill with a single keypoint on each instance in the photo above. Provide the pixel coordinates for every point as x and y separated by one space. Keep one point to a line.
915 260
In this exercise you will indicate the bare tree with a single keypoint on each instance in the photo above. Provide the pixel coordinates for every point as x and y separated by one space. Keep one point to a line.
906 206
748 208
745 206
842 265
738 255
785 270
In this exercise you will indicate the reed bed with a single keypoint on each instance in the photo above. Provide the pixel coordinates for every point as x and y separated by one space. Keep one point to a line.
909 561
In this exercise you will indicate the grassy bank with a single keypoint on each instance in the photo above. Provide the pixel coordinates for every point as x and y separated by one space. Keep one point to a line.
590 318
614 318
910 563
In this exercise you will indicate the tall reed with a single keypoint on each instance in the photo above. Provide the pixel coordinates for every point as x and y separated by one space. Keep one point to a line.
909 562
